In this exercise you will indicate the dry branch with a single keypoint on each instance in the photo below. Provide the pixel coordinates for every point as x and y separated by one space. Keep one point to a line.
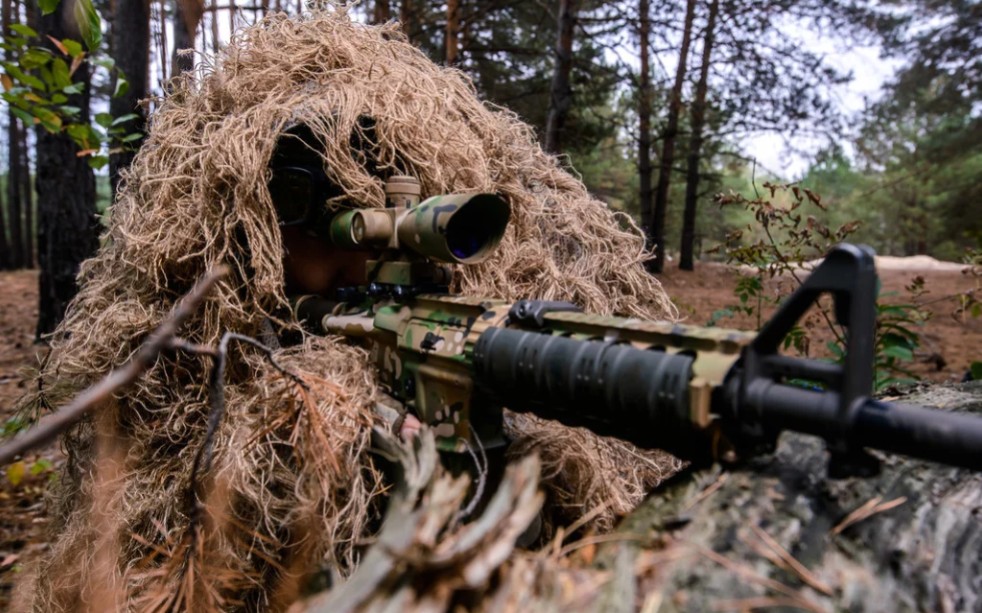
161 338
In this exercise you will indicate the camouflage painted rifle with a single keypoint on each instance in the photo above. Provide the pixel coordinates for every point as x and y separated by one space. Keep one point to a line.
704 394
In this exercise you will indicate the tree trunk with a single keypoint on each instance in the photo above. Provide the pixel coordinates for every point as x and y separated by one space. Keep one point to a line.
187 14
4 243
131 40
452 35
644 112
15 210
215 36
407 17
656 238
561 95
68 228
381 12
695 144
26 187
778 533
15 214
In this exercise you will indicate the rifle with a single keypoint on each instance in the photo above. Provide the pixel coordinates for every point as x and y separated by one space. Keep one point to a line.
703 394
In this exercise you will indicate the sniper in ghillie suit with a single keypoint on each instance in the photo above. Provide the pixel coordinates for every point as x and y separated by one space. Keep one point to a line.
399 267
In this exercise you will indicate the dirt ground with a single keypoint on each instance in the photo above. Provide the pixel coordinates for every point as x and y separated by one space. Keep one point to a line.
949 342
22 516
949 345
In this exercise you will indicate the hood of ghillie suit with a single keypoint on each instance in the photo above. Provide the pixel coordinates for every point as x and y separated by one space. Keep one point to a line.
292 471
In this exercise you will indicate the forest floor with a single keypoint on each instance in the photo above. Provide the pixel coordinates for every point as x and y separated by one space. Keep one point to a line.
949 344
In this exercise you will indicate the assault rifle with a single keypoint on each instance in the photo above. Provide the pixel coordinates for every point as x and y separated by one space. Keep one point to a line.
704 394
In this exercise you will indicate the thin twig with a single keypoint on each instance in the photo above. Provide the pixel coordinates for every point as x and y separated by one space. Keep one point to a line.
216 394
753 576
759 602
598 539
706 493
791 562
482 477
871 508
64 417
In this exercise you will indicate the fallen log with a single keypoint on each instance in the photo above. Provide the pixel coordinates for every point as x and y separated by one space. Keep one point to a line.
778 534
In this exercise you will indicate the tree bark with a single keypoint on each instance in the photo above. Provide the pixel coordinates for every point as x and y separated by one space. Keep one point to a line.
452 35
381 12
26 187
4 243
407 17
15 209
695 144
726 538
67 222
131 40
644 112
561 95
656 238
15 212
187 14
215 36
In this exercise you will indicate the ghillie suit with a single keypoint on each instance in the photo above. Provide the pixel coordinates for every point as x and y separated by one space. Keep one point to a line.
292 484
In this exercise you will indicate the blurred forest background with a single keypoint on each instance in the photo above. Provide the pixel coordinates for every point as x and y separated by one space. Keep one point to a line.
658 105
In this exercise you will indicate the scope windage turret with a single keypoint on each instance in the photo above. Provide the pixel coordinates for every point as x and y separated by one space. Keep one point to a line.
455 228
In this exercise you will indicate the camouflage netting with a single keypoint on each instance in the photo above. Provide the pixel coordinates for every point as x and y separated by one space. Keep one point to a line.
296 484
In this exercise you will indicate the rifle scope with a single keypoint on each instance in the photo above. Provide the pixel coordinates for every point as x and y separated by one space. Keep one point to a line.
455 228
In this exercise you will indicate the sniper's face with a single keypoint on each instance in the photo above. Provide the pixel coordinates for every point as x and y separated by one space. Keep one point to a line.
313 266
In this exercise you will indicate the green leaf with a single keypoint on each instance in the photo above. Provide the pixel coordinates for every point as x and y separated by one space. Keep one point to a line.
48 76
105 62
40 465
60 73
59 99
129 138
104 119
98 161
12 426
895 340
48 6
26 79
124 118
23 115
73 47
976 370
35 57
900 353
51 121
84 135
836 349
719 314
24 30
122 86
70 111
74 88
888 381
89 23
